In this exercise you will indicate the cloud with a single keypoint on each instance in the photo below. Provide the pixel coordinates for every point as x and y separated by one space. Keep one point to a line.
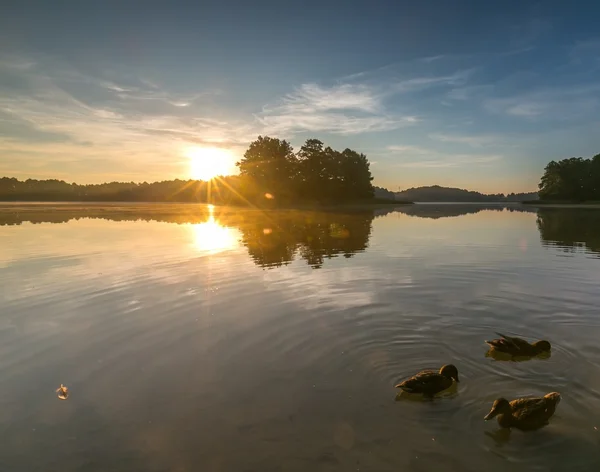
473 141
469 92
527 35
341 109
425 82
425 158
457 160
408 149
311 97
430 59
560 104
356 105
586 52
89 118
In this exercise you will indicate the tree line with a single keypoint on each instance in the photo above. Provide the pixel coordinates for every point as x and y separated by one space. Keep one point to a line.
574 179
271 174
436 193
228 191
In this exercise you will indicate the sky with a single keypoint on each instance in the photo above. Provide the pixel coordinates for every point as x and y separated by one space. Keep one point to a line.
472 94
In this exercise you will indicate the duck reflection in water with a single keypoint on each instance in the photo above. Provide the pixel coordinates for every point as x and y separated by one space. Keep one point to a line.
450 392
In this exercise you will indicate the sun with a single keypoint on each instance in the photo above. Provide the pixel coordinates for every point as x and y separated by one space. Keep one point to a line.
208 163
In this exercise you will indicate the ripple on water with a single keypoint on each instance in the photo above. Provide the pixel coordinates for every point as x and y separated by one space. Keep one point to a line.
308 359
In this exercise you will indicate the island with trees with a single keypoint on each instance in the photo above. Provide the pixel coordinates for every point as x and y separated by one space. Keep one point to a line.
573 180
271 174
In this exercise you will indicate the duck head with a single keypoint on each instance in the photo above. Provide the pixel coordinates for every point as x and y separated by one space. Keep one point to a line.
500 406
450 371
542 346
554 396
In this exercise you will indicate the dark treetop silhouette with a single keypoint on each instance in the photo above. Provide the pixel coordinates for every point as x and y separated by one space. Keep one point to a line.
574 179
271 174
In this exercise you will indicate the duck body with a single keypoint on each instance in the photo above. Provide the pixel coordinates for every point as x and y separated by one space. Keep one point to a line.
430 382
517 346
524 413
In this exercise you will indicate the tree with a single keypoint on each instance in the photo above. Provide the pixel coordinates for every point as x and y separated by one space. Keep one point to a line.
312 164
356 175
575 178
330 175
272 166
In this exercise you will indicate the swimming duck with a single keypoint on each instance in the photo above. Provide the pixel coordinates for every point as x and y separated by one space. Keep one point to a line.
524 413
63 392
518 346
429 382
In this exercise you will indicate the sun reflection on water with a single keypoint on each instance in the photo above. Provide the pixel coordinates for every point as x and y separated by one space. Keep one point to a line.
210 237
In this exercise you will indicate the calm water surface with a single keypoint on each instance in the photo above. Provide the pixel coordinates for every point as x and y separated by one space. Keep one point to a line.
225 340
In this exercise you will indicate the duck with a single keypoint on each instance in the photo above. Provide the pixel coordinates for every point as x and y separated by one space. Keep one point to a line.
524 413
518 347
430 382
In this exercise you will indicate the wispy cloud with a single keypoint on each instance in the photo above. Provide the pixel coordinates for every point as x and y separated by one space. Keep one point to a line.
526 36
586 52
469 92
93 120
420 83
356 105
340 109
312 97
564 103
455 161
430 59
402 149
473 141
425 158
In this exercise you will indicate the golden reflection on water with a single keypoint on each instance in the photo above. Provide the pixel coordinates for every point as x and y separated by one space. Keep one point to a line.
211 237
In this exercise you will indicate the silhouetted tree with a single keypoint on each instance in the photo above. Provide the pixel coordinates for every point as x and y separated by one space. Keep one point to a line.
329 175
271 165
573 179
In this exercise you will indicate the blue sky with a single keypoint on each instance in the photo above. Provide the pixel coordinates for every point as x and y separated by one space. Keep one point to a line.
472 94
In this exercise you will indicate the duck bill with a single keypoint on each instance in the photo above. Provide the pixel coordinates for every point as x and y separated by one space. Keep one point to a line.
491 414
456 378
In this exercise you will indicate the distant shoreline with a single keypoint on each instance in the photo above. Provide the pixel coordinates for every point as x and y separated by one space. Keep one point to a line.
547 204
70 205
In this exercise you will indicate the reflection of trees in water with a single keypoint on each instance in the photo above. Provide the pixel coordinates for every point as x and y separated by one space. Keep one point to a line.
272 238
570 229
276 238
436 211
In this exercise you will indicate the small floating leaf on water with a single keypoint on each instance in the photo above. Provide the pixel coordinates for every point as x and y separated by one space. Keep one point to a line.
63 392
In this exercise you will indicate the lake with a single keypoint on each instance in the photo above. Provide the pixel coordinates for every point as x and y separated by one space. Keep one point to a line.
197 338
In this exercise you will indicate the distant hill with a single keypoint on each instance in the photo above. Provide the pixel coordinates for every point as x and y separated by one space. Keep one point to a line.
436 193
381 192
